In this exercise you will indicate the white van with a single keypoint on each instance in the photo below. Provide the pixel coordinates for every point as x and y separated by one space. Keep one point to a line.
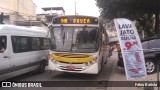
22 50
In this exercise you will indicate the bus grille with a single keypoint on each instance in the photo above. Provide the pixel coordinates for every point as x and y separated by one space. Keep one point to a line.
65 68
70 62
72 55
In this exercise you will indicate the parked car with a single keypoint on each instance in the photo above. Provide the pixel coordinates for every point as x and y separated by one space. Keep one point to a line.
150 49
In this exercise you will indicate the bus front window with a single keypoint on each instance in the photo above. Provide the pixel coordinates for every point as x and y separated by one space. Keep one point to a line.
74 39
61 39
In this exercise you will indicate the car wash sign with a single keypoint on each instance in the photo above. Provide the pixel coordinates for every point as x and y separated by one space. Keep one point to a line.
131 48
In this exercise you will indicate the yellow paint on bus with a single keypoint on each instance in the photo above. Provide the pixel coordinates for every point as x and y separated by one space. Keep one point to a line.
72 58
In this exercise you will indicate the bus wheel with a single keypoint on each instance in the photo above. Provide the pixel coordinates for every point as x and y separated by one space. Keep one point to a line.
41 68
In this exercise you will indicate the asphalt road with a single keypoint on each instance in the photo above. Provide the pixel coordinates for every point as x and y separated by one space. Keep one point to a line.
64 81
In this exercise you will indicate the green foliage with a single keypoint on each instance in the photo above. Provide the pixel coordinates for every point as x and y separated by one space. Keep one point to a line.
145 12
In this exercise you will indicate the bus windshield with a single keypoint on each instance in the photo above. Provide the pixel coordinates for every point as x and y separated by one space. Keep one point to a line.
74 39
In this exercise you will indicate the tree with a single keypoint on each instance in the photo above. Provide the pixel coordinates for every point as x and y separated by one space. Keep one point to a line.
146 23
131 9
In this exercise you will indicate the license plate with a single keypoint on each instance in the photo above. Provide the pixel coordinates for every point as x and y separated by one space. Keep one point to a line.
70 67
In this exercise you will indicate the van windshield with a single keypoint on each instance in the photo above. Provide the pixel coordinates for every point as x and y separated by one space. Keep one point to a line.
2 43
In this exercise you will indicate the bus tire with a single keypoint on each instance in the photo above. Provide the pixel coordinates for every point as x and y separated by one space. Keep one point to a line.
41 68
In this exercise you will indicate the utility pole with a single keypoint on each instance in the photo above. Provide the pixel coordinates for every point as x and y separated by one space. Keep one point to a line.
142 34
75 8
30 23
1 18
17 16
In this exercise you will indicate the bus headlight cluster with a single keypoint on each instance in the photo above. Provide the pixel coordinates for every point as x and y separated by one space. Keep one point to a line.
54 61
50 58
91 62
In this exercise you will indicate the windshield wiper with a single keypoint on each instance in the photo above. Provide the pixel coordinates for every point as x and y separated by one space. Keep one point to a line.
63 33
63 38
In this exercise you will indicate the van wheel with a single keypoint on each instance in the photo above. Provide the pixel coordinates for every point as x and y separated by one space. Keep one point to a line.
41 68
151 66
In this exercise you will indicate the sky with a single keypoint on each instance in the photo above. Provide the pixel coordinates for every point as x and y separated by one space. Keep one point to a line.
83 7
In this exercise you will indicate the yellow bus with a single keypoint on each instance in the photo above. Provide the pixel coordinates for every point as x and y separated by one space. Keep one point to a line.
79 44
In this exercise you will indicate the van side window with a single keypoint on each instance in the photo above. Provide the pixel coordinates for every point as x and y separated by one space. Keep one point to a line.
35 43
3 43
24 44
46 43
16 44
20 44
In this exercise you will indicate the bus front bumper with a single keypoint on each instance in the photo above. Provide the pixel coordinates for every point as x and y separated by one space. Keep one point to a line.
92 69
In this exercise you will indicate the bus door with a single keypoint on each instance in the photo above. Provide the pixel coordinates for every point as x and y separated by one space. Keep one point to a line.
4 57
105 45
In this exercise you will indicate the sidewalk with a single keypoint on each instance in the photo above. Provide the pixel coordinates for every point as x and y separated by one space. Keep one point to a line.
118 74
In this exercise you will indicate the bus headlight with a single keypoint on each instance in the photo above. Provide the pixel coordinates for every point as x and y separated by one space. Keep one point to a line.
86 64
91 62
83 68
54 61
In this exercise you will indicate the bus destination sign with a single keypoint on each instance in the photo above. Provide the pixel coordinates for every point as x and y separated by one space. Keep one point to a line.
75 20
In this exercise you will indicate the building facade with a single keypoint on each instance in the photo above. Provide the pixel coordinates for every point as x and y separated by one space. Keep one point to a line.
49 13
18 10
